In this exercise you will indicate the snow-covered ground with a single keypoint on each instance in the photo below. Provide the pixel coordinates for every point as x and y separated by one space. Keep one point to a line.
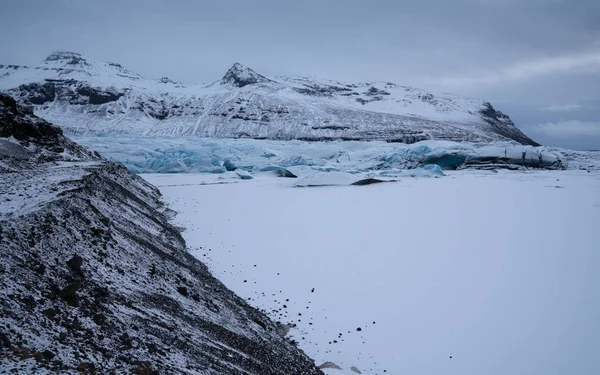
472 273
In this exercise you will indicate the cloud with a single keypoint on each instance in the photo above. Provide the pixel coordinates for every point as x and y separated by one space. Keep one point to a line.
527 69
566 129
562 108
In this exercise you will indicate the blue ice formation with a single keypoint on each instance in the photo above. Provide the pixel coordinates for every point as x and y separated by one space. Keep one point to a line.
189 154
434 169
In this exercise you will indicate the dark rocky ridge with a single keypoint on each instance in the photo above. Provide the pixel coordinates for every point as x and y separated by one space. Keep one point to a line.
47 140
93 278
72 92
503 125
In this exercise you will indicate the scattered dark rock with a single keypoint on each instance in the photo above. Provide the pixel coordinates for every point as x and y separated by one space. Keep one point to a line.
69 292
50 312
86 368
126 341
100 292
75 263
183 291
29 301
4 341
152 270
260 323
367 181
99 319
40 269
48 355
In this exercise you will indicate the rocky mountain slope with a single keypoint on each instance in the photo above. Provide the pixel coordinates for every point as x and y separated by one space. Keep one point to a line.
94 279
85 96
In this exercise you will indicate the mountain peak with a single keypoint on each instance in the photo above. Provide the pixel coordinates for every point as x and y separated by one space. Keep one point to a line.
67 57
73 62
240 76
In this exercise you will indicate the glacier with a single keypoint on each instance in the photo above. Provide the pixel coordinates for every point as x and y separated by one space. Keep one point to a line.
361 158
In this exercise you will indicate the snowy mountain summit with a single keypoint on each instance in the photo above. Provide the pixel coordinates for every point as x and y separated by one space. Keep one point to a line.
240 76
64 62
85 96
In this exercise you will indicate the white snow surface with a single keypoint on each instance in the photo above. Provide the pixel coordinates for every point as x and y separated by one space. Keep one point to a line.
474 273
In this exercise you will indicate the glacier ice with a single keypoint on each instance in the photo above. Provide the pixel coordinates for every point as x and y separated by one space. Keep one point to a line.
434 169
328 179
229 166
374 159
244 175
295 160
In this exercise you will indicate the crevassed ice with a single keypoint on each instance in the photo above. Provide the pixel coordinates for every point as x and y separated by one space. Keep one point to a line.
181 155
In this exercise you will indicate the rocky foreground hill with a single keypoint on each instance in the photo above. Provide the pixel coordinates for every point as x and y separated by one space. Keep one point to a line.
94 279
85 96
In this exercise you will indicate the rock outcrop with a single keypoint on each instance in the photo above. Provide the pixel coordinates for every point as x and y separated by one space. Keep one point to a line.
94 279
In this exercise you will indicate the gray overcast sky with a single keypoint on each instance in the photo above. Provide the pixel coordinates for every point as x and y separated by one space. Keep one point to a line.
536 60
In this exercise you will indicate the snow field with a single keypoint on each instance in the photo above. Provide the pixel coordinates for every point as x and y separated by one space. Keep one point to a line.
473 273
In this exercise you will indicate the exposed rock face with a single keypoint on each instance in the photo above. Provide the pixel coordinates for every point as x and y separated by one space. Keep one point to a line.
85 96
41 139
69 91
70 58
503 125
93 278
241 76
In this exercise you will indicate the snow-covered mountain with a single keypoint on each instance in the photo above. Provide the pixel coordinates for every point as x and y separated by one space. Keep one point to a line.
86 96
95 280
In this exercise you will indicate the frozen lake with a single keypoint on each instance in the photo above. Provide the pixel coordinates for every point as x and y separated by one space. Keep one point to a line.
472 273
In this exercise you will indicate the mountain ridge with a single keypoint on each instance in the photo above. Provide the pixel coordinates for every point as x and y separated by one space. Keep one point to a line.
95 280
70 89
